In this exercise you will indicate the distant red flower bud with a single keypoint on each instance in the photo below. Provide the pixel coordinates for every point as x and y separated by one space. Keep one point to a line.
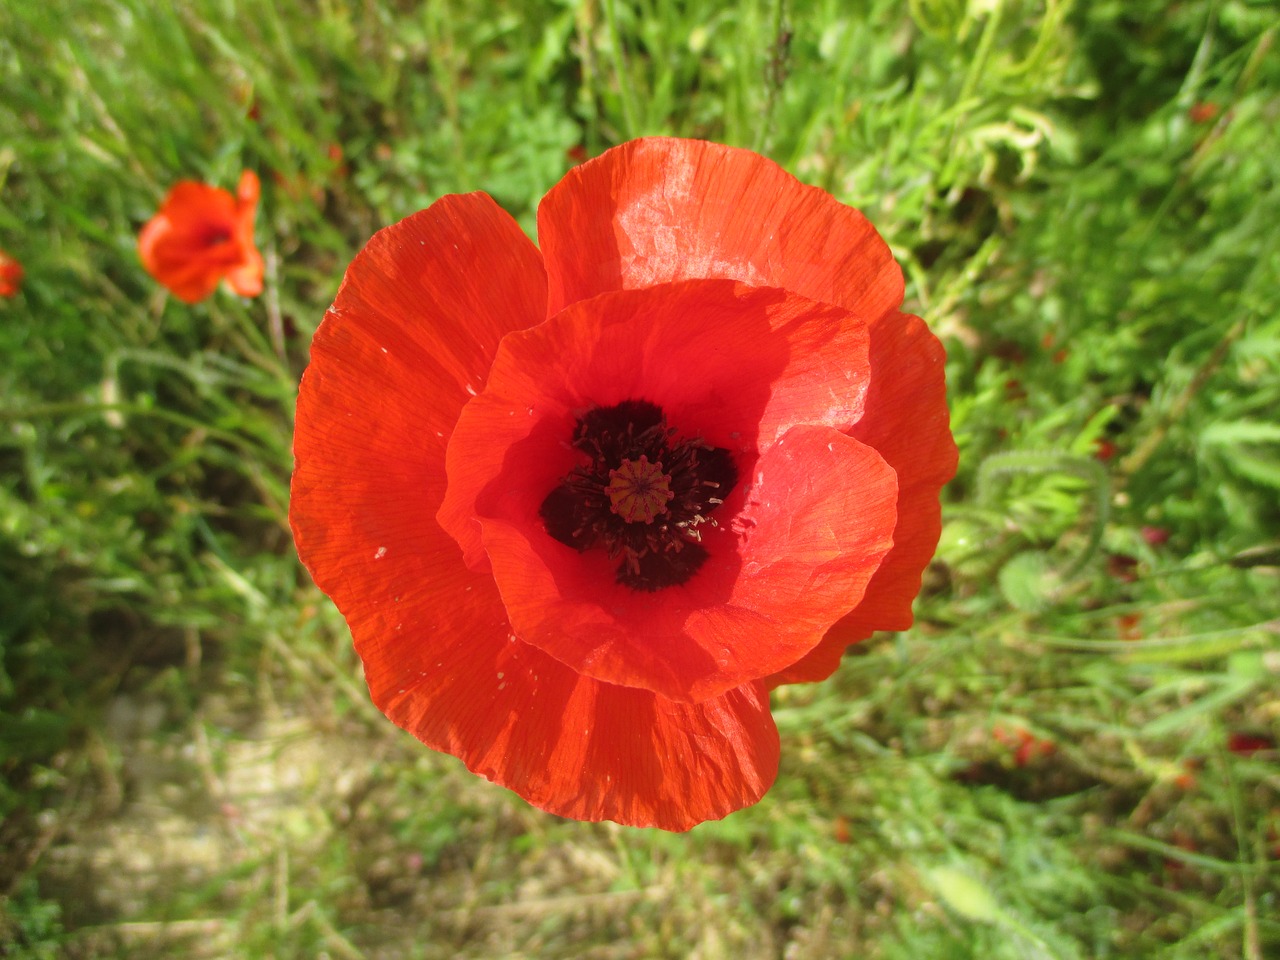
1203 112
840 829
10 275
336 157
1155 536
1247 744
1025 745
1129 626
1186 780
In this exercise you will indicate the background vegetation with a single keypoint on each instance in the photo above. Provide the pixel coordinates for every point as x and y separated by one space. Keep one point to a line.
1074 752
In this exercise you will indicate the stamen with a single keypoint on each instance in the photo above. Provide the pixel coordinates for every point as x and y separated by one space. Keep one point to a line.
644 514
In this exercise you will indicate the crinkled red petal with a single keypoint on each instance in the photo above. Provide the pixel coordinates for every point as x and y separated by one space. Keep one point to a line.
658 210
408 341
246 277
568 744
794 546
906 420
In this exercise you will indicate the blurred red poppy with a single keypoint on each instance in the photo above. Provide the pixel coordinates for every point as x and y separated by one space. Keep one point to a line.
1247 744
203 235
584 507
1202 112
10 275
1025 745
1155 536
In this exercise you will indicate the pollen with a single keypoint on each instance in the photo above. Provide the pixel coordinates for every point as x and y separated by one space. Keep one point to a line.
639 490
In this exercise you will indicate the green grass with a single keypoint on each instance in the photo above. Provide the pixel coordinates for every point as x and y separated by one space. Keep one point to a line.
1084 198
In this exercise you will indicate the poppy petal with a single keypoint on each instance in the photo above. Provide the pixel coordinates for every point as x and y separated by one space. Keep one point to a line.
906 420
246 278
408 340
248 190
818 499
568 744
660 209
192 202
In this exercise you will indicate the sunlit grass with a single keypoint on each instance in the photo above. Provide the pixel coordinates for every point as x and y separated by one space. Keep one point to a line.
1084 199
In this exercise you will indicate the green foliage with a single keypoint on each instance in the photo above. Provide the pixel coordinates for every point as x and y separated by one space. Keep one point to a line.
30 928
1084 198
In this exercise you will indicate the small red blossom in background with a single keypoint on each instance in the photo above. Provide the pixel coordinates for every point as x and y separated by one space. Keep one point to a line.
1103 450
336 157
1188 774
1058 356
1155 536
1202 112
1129 626
584 506
203 235
10 275
1025 745
840 829
1247 744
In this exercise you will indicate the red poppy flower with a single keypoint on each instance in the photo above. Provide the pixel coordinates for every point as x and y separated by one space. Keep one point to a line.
583 508
202 235
10 275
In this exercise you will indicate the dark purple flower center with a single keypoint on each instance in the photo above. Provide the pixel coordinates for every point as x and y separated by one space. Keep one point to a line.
643 494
